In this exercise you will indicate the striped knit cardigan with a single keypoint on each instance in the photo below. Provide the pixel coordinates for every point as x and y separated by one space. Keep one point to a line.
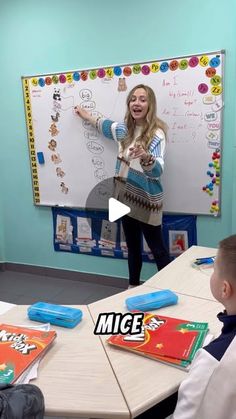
140 189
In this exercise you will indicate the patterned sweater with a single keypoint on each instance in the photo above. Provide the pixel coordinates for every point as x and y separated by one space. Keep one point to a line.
138 186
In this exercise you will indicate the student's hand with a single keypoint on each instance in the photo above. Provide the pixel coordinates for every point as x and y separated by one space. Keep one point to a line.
82 113
138 152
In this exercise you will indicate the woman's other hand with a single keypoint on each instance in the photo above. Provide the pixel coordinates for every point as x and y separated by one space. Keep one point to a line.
138 152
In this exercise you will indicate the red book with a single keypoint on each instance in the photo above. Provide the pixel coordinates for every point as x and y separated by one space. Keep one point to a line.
165 337
20 347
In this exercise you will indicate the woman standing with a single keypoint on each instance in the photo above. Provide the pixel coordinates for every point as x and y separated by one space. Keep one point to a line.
140 163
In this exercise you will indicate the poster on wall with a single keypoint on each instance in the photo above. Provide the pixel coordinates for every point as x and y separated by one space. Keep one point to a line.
91 233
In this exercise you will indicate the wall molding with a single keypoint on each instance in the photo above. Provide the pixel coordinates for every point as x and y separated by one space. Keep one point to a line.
66 274
2 266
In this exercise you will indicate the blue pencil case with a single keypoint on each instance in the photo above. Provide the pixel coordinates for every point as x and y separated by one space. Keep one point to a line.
152 300
55 314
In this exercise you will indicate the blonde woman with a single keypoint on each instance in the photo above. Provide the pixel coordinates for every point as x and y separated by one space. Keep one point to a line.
140 163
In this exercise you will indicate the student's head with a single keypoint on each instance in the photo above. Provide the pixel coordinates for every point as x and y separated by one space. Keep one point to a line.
223 279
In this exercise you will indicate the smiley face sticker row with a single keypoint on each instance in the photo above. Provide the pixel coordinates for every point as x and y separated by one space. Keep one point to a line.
145 69
214 86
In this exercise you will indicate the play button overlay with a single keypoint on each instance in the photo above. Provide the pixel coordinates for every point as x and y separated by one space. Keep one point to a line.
105 204
103 198
98 197
116 210
103 207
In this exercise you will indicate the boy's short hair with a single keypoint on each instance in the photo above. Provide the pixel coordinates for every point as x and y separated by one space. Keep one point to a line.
227 256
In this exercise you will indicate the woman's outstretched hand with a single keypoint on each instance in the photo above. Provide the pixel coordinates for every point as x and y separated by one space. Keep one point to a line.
82 113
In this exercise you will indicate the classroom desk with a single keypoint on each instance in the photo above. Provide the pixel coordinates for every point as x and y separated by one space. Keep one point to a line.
181 277
75 376
83 376
145 382
4 307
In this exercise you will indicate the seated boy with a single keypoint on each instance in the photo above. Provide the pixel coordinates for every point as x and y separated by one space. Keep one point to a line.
192 389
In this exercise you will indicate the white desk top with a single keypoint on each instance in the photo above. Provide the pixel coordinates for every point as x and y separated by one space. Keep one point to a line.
181 277
75 376
83 376
4 307
145 382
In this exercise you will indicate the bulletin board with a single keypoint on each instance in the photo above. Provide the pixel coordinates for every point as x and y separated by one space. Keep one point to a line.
69 157
91 233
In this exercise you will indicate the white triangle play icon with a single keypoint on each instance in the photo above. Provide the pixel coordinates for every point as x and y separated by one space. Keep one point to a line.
116 209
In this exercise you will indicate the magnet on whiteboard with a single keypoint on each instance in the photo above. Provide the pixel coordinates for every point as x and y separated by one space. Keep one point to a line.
40 157
208 100
217 106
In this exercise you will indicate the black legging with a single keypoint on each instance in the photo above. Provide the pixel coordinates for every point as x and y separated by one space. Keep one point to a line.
133 230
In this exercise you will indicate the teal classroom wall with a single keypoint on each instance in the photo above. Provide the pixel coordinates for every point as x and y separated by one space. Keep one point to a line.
2 246
48 36
2 255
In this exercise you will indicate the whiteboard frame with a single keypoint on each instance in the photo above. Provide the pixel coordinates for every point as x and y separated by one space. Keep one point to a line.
222 52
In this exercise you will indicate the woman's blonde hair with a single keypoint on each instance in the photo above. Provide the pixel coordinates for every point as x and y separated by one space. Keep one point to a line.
152 122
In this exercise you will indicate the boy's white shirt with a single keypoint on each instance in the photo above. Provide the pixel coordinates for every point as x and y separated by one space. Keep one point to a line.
219 400
192 389
210 388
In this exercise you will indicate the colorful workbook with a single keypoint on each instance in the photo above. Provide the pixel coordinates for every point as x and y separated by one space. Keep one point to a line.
20 347
167 339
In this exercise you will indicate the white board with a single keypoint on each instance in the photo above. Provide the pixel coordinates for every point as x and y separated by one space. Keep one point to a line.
189 97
